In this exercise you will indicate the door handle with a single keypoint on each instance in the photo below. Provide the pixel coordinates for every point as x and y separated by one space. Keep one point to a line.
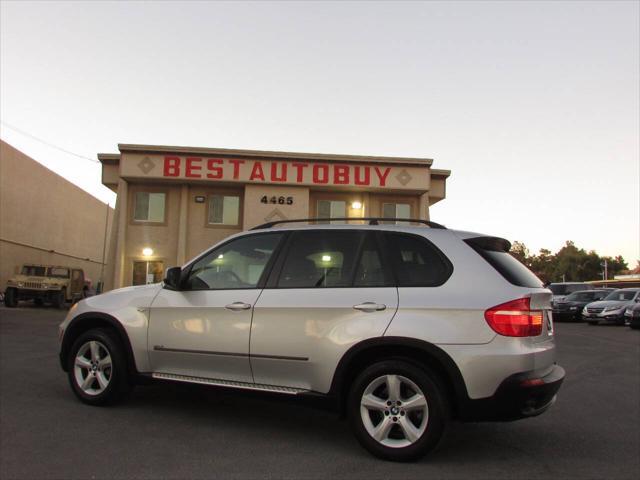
370 307
237 306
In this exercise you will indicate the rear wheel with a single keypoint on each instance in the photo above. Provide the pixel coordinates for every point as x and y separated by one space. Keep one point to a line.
97 368
59 298
397 411
11 298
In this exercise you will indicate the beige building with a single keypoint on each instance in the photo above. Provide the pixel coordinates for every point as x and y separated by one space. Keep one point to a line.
45 219
175 202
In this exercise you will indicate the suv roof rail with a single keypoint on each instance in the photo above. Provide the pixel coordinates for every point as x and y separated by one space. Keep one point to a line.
371 220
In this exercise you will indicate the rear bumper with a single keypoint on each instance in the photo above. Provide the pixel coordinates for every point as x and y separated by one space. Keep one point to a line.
518 396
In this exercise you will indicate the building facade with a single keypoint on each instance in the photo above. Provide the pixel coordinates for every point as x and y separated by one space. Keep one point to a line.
175 202
45 219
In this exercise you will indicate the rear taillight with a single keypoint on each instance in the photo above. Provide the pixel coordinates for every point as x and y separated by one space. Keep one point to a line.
515 319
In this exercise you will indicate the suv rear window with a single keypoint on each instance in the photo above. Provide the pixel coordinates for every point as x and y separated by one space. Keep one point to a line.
496 252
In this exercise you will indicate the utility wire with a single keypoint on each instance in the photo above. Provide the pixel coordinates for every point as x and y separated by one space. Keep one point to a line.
26 134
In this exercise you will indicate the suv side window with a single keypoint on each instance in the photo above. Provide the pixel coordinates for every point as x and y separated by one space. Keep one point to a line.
238 264
320 259
416 261
371 271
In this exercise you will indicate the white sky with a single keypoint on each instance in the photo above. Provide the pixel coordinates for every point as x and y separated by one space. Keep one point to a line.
533 106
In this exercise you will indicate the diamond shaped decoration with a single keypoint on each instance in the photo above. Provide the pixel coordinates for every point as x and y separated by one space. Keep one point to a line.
146 165
275 214
403 177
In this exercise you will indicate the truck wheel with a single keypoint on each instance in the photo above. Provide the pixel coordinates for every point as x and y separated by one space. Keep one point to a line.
11 298
397 411
60 298
97 368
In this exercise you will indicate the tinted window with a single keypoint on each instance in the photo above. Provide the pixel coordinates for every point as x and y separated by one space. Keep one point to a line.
582 296
496 252
320 259
33 271
577 288
237 264
416 262
370 271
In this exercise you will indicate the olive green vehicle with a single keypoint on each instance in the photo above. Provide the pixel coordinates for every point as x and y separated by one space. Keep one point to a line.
45 283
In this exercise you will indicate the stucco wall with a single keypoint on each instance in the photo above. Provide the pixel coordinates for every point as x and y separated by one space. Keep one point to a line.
46 219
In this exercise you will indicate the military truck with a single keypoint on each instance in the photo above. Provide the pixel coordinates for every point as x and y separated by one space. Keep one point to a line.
52 284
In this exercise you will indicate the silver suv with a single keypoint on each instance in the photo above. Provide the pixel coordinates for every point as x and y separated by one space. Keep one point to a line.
400 327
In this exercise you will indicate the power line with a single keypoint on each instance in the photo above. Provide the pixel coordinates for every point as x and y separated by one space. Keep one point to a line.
27 134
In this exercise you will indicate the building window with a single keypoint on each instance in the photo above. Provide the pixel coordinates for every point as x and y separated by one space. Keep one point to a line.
149 207
396 210
224 210
145 272
332 209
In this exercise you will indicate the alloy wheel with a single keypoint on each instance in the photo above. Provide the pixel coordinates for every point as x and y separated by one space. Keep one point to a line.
92 368
394 411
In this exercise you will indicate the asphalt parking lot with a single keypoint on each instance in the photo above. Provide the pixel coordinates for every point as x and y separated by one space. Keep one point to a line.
180 431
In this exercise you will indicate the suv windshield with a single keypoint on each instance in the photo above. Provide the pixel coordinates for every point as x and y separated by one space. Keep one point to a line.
32 271
621 295
58 272
581 296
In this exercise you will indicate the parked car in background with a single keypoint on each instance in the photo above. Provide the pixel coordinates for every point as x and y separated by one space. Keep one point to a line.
612 307
570 308
561 290
52 284
632 316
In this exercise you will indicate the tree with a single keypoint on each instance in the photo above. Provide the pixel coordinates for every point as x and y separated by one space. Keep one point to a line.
520 251
570 263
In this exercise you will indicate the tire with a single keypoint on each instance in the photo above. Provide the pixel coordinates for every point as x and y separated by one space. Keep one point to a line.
91 379
60 298
409 434
11 298
592 323
38 302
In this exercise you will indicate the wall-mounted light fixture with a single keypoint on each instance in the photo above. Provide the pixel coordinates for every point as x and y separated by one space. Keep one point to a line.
147 252
356 205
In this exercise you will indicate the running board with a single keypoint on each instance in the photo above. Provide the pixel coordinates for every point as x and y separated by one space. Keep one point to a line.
228 383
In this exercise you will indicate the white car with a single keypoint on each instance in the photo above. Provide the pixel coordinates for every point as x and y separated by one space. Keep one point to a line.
401 327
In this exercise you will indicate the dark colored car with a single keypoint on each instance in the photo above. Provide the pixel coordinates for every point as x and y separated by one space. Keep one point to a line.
632 316
570 308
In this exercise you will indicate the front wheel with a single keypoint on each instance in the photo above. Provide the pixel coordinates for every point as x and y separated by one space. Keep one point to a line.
97 368
397 410
592 323
11 298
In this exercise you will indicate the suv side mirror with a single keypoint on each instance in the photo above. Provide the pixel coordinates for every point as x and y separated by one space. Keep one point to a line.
172 278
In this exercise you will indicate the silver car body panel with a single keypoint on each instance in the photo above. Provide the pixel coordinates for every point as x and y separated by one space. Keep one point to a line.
129 306
313 328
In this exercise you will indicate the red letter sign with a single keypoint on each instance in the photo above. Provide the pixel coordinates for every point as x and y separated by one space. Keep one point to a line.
171 166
